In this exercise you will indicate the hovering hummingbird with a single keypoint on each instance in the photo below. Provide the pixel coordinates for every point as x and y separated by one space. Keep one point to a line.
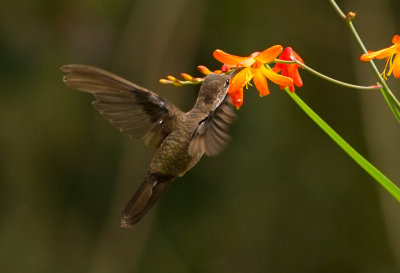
180 138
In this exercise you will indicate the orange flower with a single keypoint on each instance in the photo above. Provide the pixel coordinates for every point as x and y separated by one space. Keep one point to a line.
237 97
254 69
388 53
290 70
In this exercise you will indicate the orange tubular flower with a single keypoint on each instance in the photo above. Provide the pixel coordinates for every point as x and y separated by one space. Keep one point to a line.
388 53
253 69
237 97
289 70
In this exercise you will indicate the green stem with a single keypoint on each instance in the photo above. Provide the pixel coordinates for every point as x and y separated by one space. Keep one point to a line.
367 166
392 101
309 69
337 9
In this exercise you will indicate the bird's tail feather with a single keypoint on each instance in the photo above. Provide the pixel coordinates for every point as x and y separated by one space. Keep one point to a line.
144 198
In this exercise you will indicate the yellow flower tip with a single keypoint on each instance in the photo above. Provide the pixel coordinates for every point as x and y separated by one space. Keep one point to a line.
204 70
237 107
186 76
164 81
171 78
350 16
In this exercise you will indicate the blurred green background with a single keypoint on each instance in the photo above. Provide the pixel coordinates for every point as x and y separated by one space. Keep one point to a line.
281 198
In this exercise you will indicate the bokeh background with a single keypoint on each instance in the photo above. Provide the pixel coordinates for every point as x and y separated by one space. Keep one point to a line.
281 198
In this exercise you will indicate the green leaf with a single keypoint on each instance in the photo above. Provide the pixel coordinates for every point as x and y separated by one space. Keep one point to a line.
367 166
393 103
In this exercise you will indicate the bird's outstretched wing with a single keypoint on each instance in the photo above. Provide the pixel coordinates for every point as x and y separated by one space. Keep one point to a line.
211 135
134 110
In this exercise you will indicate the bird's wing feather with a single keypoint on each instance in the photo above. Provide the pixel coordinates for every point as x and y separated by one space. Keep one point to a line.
134 110
211 135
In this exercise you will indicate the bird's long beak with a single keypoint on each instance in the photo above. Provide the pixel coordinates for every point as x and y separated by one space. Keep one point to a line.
233 74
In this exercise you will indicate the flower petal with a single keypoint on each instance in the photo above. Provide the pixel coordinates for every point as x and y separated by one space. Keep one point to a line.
276 78
293 72
396 39
228 58
240 79
237 98
260 82
380 54
269 54
396 66
278 67
203 69
225 68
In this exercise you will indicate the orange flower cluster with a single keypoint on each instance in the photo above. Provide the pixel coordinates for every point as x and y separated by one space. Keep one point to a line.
253 68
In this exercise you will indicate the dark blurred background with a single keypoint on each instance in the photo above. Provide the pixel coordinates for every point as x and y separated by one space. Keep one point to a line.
281 198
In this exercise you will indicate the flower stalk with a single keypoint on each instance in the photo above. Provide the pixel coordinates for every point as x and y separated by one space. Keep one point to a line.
309 69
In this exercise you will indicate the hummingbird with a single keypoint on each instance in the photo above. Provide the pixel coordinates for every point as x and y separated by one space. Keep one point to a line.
180 138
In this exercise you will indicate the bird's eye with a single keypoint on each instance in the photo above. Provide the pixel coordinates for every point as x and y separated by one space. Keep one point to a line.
227 83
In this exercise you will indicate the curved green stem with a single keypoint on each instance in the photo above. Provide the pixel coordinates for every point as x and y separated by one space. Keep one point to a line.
390 98
365 164
309 69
